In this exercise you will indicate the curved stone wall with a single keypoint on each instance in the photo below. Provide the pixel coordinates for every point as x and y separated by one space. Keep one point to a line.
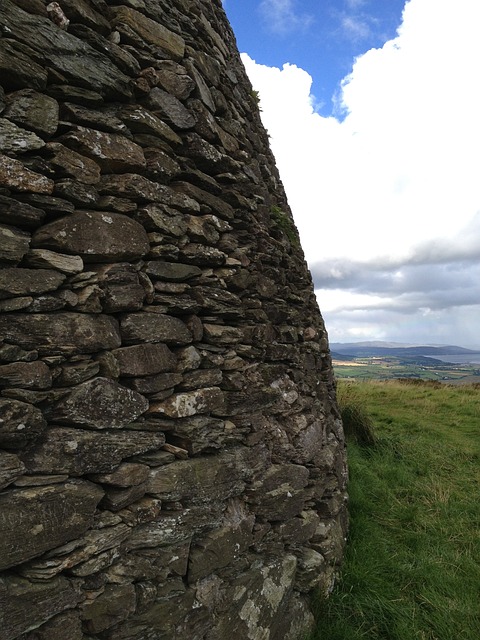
172 460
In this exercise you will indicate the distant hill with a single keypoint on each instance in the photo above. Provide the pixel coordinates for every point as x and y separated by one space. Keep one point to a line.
378 348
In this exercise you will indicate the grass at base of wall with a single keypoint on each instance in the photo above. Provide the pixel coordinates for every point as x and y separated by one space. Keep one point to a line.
412 564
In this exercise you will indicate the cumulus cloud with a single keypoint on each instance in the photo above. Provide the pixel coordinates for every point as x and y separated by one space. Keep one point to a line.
283 16
386 194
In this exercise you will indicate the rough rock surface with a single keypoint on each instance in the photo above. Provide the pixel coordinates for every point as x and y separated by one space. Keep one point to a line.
172 460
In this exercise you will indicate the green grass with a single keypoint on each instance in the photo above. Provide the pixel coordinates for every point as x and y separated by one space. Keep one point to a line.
412 564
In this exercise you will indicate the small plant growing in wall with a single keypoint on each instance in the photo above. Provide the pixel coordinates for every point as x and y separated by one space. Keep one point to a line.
256 98
284 223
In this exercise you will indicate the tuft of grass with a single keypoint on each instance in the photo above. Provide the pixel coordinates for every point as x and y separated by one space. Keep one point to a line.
357 424
412 564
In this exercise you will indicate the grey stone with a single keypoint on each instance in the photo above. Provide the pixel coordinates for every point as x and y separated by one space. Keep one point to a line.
20 423
75 60
80 451
11 468
14 139
144 360
152 327
70 333
14 244
171 109
21 282
46 259
26 605
189 403
14 175
100 403
27 375
19 214
33 110
150 31
113 152
69 164
94 236
39 512
17 69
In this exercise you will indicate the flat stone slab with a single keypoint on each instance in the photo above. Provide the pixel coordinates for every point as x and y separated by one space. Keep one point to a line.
46 517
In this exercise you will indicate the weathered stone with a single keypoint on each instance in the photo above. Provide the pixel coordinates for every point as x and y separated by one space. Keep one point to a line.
95 236
64 626
190 403
140 120
221 334
14 244
117 499
79 451
202 255
39 512
19 282
121 58
40 480
156 218
72 374
171 109
171 271
68 56
99 404
217 205
14 139
152 327
80 553
161 167
45 259
34 111
49 204
11 468
20 423
154 384
19 214
70 333
150 31
127 474
222 547
26 605
194 481
27 375
116 603
131 185
69 164
80 11
14 175
93 118
113 152
144 360
280 494
17 69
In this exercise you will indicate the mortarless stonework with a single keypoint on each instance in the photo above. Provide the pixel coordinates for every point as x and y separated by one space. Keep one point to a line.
171 456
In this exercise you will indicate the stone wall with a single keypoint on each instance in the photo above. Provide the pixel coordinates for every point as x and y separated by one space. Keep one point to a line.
172 460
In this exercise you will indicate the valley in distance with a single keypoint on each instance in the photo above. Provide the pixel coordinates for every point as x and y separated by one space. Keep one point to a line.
378 360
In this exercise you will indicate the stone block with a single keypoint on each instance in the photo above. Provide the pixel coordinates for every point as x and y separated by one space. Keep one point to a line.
189 403
47 516
100 403
95 236
33 110
24 282
153 327
20 423
26 605
144 360
71 333
79 451
11 468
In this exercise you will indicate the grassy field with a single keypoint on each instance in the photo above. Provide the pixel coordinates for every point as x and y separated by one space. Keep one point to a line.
412 565
387 368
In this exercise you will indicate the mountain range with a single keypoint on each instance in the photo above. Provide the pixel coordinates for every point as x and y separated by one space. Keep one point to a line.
379 348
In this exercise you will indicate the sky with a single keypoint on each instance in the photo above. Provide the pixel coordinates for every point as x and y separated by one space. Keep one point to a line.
373 112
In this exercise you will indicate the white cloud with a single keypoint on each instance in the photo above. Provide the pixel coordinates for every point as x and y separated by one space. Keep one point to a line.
397 175
281 16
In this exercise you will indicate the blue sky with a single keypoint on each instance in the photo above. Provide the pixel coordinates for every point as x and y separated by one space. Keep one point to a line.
373 114
323 37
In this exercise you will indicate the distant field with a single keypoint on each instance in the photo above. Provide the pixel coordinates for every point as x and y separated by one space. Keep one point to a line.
386 368
412 565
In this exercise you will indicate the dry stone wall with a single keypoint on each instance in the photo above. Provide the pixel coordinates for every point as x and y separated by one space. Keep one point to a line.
172 460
